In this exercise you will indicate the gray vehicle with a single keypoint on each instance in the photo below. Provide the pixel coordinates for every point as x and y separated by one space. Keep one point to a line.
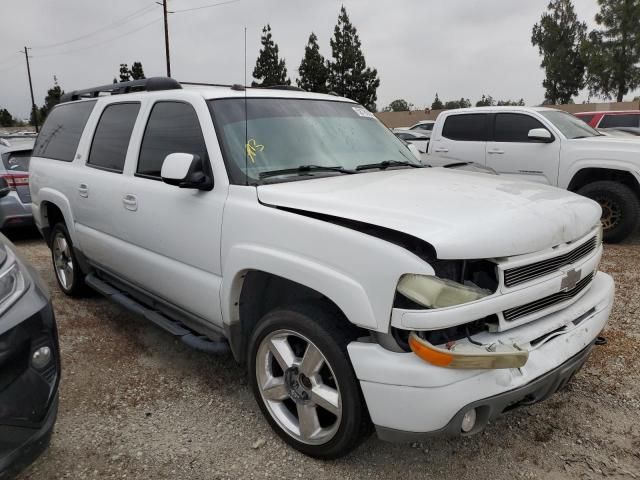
15 208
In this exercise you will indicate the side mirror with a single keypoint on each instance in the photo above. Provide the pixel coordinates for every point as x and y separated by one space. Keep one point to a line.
540 135
414 150
4 188
185 170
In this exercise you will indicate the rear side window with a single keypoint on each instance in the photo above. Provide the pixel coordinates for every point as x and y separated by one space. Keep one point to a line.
16 161
62 130
514 127
173 127
467 127
629 120
111 139
425 126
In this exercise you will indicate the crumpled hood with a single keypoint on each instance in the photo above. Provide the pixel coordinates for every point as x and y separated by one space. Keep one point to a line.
463 215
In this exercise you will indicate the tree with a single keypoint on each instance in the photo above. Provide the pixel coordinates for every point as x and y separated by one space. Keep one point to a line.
462 103
125 76
613 53
559 37
6 119
486 101
514 103
270 69
313 70
349 75
136 71
437 104
399 105
50 100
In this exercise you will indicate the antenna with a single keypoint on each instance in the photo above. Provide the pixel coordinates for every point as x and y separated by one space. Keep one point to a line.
246 128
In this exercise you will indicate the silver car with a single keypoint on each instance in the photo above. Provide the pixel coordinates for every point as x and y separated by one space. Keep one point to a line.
15 208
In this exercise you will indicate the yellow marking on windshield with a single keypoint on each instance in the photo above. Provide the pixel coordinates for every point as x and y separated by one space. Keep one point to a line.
253 148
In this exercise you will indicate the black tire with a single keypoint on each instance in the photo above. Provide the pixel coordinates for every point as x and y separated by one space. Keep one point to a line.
620 208
75 286
331 333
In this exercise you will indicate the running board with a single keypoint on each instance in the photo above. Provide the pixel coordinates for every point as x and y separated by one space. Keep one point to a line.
188 336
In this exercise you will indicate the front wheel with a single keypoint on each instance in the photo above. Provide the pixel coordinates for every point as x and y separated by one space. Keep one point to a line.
304 383
620 208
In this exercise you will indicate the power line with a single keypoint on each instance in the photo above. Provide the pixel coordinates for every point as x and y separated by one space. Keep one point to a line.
205 6
138 13
100 43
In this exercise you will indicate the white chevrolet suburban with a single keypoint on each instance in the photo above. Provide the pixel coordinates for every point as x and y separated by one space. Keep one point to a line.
547 146
357 286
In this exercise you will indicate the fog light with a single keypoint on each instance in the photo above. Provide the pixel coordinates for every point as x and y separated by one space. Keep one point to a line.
41 357
468 421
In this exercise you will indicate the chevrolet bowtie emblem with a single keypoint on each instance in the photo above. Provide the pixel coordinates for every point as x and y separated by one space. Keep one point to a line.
570 280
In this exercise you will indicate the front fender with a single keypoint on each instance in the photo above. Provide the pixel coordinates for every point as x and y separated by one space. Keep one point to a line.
575 167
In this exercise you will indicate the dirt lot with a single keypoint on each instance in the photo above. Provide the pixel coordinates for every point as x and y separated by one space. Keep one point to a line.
137 404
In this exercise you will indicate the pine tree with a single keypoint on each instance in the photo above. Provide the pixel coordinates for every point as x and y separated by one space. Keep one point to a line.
124 73
486 101
6 119
437 104
50 100
270 69
349 75
136 71
613 53
559 37
313 70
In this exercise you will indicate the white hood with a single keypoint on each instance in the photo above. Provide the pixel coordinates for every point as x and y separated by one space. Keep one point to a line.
463 215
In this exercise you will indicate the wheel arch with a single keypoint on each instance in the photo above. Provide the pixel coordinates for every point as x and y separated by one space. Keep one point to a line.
587 175
54 209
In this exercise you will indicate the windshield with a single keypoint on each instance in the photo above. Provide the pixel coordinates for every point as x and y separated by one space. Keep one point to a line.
286 134
570 126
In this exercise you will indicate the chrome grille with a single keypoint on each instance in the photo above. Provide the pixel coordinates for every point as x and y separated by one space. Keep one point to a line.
517 275
542 303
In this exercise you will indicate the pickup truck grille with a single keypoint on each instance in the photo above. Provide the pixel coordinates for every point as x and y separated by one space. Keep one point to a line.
517 275
546 302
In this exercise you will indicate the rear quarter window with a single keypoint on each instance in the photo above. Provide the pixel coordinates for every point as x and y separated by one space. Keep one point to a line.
61 132
467 127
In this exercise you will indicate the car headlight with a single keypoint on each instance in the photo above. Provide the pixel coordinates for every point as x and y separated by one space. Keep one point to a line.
12 283
434 292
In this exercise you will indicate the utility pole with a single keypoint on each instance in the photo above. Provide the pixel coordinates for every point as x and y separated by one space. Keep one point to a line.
34 112
166 37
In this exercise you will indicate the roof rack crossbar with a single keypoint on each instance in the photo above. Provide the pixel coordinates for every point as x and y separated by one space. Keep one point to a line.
142 85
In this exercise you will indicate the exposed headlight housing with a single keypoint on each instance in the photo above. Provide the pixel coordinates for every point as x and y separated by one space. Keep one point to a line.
434 292
12 282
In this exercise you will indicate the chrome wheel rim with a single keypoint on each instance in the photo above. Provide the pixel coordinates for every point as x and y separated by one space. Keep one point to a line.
62 261
298 387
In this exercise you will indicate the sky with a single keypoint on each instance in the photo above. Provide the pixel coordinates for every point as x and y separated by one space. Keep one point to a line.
457 48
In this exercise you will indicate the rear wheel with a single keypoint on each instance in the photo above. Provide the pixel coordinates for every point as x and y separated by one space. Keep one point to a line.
65 265
304 383
620 208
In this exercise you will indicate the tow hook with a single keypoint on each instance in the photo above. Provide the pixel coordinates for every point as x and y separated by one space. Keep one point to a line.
601 340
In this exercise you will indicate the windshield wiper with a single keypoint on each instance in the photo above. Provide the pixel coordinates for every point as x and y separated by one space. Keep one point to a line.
457 164
303 169
386 164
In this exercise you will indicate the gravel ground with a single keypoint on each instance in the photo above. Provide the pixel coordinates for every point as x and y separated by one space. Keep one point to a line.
136 403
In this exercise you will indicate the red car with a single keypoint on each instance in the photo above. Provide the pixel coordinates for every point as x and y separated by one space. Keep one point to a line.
622 118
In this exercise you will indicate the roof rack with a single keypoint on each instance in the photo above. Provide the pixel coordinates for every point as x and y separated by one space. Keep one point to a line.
144 85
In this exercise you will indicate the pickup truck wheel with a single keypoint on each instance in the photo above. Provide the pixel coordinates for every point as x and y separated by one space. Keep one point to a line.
65 265
304 383
620 208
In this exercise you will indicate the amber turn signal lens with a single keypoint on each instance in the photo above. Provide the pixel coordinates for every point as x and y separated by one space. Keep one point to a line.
483 359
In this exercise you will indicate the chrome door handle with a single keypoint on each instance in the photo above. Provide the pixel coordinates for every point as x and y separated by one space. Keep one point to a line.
83 190
495 151
441 150
130 202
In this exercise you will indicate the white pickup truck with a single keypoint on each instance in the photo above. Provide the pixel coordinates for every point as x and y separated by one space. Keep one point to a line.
296 231
547 146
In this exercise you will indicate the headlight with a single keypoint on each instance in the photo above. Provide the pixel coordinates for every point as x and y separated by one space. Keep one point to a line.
434 292
12 283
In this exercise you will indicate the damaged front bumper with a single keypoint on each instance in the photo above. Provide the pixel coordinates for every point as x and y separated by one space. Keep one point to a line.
409 398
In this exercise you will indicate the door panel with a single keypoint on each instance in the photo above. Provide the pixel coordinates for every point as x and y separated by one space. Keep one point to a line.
173 234
512 153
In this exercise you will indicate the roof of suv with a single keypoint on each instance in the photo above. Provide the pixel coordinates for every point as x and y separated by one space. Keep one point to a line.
500 109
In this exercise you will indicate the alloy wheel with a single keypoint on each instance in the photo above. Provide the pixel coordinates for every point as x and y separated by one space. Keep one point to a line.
298 387
62 260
